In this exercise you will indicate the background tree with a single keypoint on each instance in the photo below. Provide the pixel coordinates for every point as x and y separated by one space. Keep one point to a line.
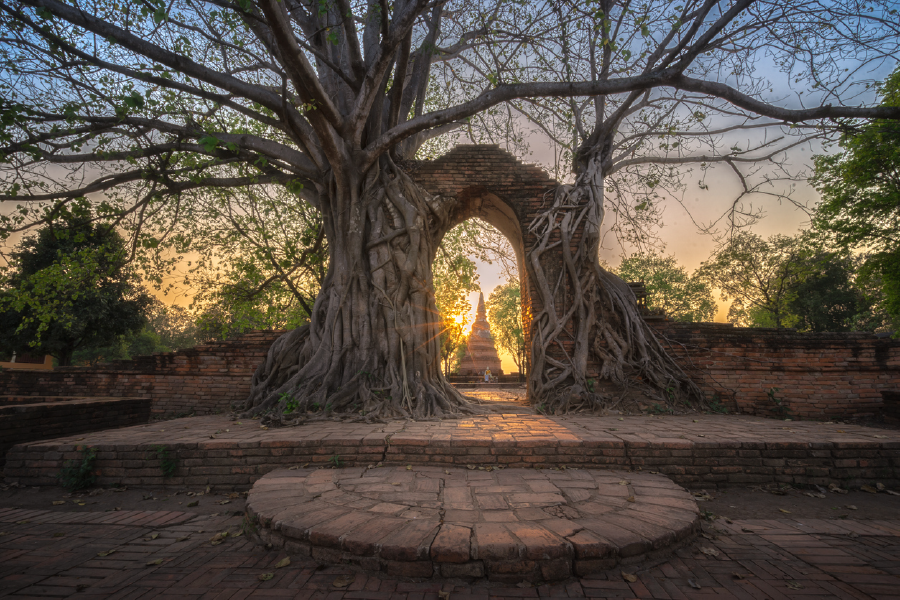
828 299
143 105
257 259
860 191
683 297
69 286
455 277
168 328
761 276
505 317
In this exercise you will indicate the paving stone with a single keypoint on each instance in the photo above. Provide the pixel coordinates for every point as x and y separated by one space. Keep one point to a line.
546 528
787 564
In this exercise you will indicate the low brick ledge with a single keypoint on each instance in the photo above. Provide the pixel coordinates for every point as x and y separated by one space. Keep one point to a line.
509 525
44 419
704 451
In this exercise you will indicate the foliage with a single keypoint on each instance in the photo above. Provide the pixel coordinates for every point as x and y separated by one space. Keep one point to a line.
659 409
762 276
455 278
290 403
174 327
168 328
860 191
262 259
504 307
70 286
168 463
779 407
79 474
685 298
717 406
828 299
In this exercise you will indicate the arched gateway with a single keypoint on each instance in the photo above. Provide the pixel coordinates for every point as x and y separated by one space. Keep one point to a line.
491 184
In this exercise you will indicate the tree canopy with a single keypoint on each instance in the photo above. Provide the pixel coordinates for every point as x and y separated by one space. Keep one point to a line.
683 297
504 307
860 191
760 276
69 287
828 298
793 281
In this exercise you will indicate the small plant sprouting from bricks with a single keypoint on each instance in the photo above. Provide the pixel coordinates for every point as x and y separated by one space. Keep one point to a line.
670 394
168 463
336 461
716 405
659 409
249 526
78 475
590 385
707 515
781 409
290 403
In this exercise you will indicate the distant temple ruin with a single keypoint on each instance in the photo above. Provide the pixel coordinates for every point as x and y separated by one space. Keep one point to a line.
480 351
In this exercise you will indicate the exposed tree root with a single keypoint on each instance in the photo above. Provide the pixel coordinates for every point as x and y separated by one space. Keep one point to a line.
590 347
371 350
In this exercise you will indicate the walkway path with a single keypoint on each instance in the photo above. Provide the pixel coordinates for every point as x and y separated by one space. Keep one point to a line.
156 554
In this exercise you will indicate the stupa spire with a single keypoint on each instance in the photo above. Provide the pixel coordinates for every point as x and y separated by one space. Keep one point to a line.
481 354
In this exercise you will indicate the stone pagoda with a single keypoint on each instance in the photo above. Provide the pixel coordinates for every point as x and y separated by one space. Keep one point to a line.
480 351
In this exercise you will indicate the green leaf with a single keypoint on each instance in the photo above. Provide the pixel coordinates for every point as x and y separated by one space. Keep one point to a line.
209 143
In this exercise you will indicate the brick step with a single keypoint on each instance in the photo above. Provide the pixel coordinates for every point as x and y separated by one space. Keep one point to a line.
23 422
696 451
511 526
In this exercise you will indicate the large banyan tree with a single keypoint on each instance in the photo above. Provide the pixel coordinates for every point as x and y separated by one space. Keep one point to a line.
140 107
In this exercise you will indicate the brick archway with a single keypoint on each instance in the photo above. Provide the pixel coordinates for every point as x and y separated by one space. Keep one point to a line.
487 182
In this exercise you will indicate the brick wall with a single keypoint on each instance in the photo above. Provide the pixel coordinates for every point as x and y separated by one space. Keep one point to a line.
30 422
817 375
201 380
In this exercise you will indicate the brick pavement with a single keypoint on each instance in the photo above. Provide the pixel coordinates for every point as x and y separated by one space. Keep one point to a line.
58 554
695 451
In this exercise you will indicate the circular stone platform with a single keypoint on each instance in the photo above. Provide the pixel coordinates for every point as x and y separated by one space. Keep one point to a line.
509 525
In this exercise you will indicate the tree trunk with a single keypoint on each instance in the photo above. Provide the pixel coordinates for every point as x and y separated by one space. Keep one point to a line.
590 317
372 346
